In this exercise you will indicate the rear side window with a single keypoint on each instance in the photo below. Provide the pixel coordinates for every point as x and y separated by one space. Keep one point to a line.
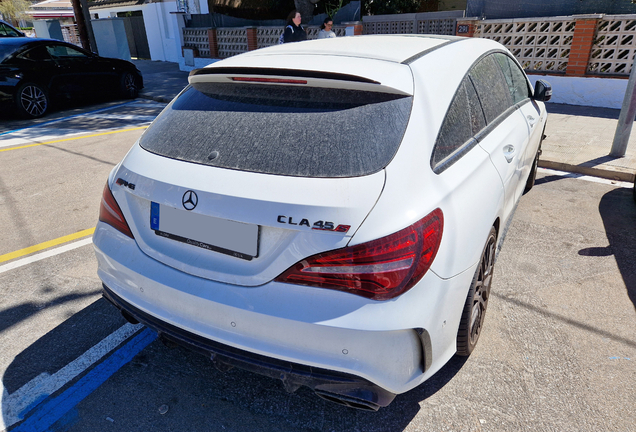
281 129
483 95
463 120
37 53
515 78
491 86
63 51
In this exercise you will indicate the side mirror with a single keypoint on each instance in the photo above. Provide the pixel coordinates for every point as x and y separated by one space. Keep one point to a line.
542 91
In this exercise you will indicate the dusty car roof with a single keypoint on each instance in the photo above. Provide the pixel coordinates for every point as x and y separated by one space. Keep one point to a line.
393 48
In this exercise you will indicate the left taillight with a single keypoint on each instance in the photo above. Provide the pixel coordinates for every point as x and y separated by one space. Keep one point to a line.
110 213
380 269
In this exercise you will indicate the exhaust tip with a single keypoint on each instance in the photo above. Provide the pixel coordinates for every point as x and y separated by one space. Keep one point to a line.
348 401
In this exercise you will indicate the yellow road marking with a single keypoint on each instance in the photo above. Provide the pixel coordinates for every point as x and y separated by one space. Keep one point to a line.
73 138
46 245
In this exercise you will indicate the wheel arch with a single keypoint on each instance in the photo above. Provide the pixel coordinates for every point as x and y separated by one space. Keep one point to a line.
497 224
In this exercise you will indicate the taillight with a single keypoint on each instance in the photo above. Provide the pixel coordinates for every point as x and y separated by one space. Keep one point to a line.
110 213
380 269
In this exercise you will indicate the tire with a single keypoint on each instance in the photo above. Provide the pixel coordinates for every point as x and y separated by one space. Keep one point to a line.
129 86
474 312
533 172
634 190
32 100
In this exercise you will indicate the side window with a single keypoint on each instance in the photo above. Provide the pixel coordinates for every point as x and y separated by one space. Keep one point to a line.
463 120
515 78
5 30
37 53
491 87
63 51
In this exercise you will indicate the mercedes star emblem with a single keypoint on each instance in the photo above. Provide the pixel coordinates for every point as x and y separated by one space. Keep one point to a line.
189 200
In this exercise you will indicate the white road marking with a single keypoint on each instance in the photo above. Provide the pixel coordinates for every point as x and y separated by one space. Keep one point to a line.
140 118
48 131
34 136
15 406
586 178
45 254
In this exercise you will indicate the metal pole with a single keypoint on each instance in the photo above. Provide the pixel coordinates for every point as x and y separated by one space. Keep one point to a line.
626 118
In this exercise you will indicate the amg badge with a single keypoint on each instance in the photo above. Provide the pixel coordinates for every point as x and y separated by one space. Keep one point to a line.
319 225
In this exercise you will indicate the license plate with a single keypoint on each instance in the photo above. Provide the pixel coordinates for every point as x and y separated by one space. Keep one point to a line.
220 235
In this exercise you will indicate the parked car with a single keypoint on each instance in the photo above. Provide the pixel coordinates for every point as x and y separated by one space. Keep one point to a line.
327 213
7 30
34 73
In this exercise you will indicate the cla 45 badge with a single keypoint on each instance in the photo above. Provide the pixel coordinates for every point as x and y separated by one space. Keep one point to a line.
318 225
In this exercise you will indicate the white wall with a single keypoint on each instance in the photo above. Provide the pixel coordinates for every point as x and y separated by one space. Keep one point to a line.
597 92
110 36
161 28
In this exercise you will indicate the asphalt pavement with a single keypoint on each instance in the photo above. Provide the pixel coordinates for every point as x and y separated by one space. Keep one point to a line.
578 138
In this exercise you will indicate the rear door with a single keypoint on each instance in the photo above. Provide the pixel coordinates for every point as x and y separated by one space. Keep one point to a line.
506 134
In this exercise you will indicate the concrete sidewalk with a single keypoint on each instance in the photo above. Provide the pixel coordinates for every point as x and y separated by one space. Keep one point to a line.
578 139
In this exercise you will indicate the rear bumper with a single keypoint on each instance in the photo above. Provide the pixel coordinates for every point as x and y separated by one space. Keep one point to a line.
393 345
335 386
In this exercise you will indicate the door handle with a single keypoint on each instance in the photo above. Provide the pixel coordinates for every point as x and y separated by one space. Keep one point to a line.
509 152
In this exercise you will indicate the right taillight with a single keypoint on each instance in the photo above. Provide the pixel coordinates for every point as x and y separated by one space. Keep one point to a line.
380 269
110 213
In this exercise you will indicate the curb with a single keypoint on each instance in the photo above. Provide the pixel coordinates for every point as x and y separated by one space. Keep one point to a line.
589 171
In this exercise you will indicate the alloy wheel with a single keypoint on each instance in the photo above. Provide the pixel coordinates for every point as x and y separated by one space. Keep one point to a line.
33 100
482 290
130 85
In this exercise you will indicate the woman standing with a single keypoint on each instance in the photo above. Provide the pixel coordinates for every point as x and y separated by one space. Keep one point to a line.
326 29
294 32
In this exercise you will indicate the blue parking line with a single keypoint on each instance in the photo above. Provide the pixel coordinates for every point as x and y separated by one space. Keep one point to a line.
66 118
53 410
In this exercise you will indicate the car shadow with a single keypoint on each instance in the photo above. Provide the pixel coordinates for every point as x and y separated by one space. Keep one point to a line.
196 392
10 118
585 111
618 212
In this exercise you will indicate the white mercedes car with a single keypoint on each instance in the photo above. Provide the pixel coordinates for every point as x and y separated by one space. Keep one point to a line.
328 212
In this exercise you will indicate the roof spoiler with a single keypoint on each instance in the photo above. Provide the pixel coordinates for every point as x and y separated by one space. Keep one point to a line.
278 76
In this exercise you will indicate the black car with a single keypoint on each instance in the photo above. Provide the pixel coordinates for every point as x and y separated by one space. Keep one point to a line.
7 30
37 72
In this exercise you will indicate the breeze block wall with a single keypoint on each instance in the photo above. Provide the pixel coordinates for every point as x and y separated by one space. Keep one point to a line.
577 46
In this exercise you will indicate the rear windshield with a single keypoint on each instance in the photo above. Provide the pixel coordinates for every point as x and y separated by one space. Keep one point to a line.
283 130
6 49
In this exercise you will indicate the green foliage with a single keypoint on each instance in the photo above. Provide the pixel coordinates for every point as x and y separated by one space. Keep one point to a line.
382 7
14 10
332 8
